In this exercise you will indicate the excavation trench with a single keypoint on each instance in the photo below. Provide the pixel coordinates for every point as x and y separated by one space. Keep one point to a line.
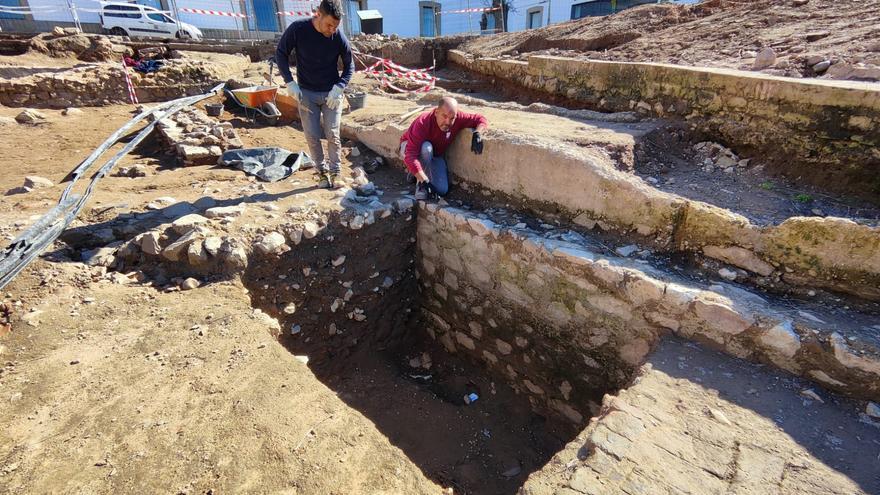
412 386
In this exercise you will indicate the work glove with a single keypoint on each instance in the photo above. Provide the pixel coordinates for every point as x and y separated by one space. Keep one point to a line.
294 91
334 99
477 143
431 191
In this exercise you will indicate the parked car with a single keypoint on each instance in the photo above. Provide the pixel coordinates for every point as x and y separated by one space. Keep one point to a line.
131 19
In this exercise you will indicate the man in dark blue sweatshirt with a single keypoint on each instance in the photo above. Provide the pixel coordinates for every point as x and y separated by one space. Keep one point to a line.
318 45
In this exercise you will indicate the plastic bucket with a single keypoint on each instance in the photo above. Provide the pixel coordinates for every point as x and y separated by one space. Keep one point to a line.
357 100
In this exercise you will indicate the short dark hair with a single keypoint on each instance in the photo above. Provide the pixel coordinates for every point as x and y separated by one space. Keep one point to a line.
331 8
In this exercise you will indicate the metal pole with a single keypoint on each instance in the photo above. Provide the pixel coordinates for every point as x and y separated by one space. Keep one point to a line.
503 27
76 16
549 11
176 14
235 19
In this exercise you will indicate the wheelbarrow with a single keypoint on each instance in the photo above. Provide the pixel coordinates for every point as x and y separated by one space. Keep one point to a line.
257 100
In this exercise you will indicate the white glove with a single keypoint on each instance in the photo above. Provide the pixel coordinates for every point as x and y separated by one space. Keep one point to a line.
334 99
294 91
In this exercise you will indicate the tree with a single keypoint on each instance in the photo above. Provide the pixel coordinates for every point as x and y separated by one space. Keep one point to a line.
500 15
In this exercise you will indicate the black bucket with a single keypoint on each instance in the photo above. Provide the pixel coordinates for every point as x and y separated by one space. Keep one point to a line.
357 100
214 109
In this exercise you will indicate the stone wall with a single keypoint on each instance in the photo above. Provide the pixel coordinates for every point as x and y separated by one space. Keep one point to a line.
409 52
104 84
583 186
196 138
562 322
824 133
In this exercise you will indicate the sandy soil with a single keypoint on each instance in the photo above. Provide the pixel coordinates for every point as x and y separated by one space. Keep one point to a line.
131 387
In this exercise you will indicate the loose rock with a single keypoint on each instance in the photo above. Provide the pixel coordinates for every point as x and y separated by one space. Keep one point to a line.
37 182
764 59
29 116
225 211
627 250
271 243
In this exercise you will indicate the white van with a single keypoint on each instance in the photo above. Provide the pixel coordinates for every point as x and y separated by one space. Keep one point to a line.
131 19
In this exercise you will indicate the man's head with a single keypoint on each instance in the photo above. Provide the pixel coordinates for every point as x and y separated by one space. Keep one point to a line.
328 16
445 113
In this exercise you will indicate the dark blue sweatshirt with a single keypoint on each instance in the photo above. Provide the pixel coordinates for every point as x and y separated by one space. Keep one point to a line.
316 57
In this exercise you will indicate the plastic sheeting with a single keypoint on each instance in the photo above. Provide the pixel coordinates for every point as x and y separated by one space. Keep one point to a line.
267 164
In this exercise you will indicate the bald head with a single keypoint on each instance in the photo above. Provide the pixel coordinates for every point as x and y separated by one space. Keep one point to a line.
449 103
445 113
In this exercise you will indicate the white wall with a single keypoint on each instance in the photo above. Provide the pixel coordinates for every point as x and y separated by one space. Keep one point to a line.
296 6
559 10
401 17
458 23
211 21
60 12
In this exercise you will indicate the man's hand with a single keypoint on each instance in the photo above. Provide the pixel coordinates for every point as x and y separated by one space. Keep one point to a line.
294 91
421 176
334 99
477 143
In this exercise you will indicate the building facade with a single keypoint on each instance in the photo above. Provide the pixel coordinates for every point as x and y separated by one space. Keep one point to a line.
256 19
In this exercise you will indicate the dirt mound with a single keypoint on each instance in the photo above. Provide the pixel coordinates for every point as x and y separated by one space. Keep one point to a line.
85 47
802 38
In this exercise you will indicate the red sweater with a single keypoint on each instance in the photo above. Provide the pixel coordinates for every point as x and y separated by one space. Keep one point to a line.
425 128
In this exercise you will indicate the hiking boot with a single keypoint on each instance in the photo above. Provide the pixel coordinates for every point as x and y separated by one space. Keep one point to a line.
330 180
334 180
324 183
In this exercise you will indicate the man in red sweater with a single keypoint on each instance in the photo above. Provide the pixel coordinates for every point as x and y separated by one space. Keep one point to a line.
424 144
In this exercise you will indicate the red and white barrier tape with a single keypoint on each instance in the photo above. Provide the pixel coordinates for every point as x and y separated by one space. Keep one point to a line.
468 11
298 14
384 70
213 12
131 94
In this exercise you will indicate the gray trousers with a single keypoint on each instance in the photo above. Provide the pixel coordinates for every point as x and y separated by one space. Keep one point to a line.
320 121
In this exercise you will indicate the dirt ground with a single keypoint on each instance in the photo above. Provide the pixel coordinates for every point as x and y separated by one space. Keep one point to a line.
714 33
668 160
169 391
126 389
138 387
143 387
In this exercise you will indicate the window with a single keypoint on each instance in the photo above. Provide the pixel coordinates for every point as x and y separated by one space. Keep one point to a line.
595 8
9 14
160 18
534 17
123 11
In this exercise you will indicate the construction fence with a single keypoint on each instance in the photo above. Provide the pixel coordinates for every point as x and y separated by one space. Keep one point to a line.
266 19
